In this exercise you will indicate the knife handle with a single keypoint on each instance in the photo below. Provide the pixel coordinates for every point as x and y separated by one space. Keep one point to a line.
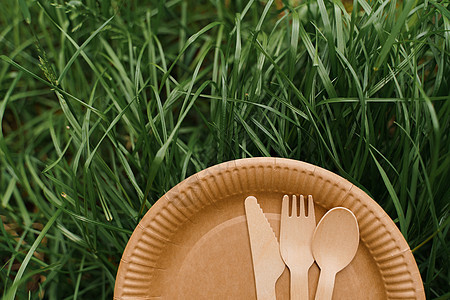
266 293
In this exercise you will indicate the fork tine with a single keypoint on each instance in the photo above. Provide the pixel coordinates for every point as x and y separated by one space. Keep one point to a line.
302 206
311 207
285 207
294 206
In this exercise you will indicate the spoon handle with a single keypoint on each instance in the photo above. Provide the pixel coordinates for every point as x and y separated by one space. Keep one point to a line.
326 285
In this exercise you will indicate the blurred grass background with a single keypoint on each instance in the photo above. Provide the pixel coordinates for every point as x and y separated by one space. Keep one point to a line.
105 105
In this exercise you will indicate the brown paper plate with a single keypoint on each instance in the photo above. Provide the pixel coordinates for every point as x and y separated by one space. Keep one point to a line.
194 244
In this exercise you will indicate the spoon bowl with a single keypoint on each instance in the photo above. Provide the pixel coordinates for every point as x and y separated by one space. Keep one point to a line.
334 245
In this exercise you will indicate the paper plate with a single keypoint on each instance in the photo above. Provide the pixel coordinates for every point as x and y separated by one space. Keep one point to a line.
194 244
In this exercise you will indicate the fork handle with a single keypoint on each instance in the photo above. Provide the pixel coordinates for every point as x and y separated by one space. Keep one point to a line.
299 284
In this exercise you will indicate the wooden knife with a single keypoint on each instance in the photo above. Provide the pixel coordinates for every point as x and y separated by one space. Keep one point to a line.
267 262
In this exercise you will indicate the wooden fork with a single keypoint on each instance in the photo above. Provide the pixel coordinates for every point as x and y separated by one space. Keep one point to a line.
296 233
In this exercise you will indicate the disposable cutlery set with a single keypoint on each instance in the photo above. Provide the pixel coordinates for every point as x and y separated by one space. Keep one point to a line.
332 243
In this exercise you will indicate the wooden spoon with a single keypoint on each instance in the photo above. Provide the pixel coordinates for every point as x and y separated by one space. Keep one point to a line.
334 245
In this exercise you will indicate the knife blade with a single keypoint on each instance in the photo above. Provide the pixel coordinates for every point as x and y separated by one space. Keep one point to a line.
267 262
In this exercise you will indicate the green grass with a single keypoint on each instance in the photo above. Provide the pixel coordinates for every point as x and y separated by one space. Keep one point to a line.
106 105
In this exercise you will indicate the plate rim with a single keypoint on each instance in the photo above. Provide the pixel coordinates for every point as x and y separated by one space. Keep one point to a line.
393 261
